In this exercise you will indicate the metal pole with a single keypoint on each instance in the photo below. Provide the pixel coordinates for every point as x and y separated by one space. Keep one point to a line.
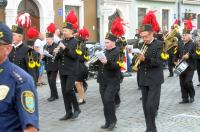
178 10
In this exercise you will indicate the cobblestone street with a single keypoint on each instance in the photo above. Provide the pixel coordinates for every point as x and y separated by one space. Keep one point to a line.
172 117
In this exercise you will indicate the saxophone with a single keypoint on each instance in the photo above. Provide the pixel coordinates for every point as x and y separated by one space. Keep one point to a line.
137 61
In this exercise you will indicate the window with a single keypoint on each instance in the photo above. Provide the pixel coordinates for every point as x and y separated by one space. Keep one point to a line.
141 14
165 20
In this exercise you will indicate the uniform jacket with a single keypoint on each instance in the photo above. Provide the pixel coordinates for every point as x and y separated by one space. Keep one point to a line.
19 56
151 71
18 106
49 64
67 58
111 70
188 47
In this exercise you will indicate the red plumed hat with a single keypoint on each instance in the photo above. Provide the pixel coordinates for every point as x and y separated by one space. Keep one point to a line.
83 33
188 24
117 27
32 33
51 28
71 21
150 18
176 22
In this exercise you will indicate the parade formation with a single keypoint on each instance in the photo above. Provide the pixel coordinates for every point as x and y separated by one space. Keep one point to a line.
64 56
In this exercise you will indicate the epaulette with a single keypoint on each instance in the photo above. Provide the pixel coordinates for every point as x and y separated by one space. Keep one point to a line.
18 76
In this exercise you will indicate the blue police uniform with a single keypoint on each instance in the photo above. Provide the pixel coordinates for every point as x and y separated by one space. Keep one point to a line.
18 99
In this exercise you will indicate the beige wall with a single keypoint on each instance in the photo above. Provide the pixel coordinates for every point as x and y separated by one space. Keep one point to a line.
2 15
90 18
58 4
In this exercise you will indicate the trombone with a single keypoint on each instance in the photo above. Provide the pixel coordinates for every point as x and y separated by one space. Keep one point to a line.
137 61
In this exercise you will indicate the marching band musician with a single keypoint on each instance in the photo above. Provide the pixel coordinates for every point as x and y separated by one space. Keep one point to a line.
20 54
34 56
51 66
150 76
68 64
197 51
109 75
82 51
149 66
187 53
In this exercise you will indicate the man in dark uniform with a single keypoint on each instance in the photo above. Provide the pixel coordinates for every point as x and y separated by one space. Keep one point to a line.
150 76
18 98
109 80
20 52
34 56
187 53
51 66
197 51
68 64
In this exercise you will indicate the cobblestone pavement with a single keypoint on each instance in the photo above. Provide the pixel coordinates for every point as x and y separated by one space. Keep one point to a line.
172 117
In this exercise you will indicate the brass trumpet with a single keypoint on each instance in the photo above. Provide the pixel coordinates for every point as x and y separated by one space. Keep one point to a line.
137 61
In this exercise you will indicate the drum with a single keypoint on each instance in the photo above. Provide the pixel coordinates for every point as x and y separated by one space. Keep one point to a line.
181 67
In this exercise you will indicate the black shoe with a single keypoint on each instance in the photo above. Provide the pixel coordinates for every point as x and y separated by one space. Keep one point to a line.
184 101
140 98
76 113
111 126
152 130
66 117
83 102
191 100
198 85
51 99
105 126
57 97
156 114
117 106
170 75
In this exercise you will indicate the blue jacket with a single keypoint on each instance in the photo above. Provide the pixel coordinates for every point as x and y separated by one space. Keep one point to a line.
18 99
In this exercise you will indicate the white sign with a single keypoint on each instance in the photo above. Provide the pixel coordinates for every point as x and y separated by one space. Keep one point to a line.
107 10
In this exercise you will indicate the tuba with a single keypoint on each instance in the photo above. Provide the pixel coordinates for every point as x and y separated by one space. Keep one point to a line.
169 41
137 61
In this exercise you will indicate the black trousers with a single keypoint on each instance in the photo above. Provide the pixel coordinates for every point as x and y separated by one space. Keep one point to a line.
69 96
150 103
51 75
171 64
108 92
187 88
198 68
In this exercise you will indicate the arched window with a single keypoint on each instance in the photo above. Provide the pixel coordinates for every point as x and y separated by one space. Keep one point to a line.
30 7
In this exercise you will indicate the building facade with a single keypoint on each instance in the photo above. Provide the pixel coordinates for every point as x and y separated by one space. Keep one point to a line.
133 12
85 11
41 16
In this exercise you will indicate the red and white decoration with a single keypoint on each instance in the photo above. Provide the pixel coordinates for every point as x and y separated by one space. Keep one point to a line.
23 20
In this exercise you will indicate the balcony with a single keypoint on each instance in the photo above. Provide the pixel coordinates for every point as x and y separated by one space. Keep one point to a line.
192 2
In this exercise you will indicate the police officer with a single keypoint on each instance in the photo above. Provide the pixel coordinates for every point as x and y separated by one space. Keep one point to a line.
68 64
150 76
18 98
187 53
51 67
